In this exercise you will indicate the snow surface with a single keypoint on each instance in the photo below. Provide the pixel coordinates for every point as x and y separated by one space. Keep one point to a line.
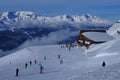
113 30
78 63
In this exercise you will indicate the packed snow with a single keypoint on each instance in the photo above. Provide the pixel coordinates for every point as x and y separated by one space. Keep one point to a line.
78 62
114 30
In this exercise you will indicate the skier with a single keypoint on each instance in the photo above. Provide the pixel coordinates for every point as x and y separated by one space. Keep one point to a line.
30 63
26 65
58 56
118 32
61 46
10 62
61 61
17 71
70 45
44 57
41 69
35 61
103 64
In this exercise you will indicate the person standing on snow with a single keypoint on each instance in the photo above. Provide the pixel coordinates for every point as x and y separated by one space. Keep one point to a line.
44 57
17 71
61 61
26 65
30 63
58 56
70 45
103 64
35 61
41 69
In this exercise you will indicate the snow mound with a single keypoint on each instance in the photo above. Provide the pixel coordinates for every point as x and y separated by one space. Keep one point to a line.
104 49
114 30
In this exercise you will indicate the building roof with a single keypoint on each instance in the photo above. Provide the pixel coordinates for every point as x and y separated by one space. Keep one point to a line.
98 36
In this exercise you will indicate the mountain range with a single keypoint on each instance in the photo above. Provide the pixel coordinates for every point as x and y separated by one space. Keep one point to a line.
18 27
27 19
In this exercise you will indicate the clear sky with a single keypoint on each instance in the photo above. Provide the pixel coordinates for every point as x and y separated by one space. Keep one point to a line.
108 9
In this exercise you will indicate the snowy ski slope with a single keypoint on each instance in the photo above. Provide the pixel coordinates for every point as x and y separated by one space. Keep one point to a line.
78 63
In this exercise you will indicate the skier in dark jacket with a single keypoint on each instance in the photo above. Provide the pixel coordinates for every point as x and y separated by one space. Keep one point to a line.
17 71
58 56
61 61
103 64
44 57
30 63
26 65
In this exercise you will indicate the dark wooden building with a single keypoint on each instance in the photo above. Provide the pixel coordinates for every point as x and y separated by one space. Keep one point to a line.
85 40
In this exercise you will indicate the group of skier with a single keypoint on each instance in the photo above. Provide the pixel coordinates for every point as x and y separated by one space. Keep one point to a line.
61 60
40 65
30 63
69 46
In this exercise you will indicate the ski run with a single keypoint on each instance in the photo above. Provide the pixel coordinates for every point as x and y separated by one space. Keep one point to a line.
76 63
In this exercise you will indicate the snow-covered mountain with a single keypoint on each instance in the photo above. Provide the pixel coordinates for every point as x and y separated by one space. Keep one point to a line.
20 26
25 19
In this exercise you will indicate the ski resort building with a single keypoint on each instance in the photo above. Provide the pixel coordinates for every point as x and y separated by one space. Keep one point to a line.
89 37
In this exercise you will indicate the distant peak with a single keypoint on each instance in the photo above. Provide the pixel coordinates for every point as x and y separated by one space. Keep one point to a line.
89 16
66 15
25 12
69 17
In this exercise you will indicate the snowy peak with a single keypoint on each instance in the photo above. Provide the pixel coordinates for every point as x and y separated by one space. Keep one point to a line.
89 16
68 17
24 18
22 13
18 15
86 18
12 15
93 19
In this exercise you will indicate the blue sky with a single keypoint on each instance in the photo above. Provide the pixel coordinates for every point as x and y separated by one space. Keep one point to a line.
108 9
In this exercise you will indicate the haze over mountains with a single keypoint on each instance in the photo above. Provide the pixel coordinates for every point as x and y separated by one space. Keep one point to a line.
20 26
